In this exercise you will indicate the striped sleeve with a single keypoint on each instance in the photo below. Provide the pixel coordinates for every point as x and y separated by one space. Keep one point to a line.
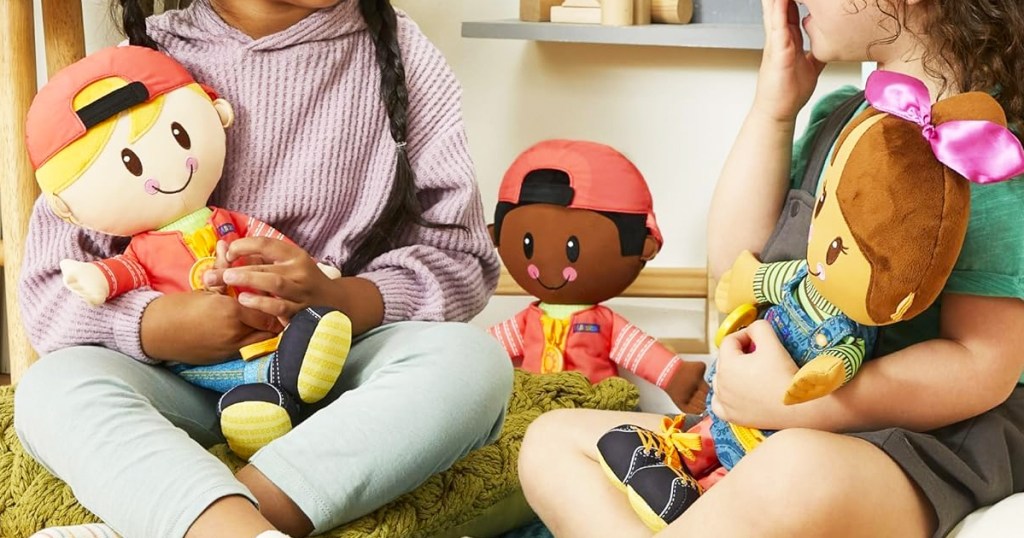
256 228
851 351
123 274
509 334
641 353
771 278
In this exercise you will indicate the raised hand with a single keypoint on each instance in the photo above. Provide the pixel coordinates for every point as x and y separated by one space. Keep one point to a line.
788 74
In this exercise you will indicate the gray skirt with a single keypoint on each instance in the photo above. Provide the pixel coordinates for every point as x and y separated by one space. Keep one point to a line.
964 466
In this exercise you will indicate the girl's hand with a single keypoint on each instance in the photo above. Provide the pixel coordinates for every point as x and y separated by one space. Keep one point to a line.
752 375
788 75
289 277
201 327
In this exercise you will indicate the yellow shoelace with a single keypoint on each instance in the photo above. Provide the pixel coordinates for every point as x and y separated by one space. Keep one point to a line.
674 443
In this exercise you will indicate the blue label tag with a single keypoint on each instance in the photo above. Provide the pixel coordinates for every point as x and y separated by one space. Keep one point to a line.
586 328
225 229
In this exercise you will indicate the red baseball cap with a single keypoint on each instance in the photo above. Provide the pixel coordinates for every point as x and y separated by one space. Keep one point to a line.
53 123
600 179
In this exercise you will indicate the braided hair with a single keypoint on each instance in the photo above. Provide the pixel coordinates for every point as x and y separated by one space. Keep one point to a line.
402 208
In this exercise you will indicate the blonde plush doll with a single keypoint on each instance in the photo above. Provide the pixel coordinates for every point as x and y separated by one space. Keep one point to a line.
125 142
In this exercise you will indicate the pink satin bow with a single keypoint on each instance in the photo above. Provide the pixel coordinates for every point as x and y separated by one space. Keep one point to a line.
981 151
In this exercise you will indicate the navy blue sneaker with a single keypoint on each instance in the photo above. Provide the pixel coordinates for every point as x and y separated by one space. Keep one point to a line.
625 449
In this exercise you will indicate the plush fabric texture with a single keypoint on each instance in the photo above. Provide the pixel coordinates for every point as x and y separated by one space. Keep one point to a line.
31 498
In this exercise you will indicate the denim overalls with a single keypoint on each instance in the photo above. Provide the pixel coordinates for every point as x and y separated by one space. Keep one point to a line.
799 334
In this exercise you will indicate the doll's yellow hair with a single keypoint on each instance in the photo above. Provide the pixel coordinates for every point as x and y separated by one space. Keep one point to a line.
64 168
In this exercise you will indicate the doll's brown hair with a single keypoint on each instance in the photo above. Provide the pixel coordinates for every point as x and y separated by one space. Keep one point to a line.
911 224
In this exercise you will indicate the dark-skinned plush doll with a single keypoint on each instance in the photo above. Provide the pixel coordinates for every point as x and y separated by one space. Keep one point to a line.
125 142
574 226
886 231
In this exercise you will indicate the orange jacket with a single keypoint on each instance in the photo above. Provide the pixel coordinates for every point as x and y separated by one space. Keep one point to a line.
597 342
165 262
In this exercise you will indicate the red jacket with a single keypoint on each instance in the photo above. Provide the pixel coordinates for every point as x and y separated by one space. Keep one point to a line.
165 262
598 341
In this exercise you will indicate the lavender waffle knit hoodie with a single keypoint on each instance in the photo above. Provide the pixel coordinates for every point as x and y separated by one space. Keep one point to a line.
312 155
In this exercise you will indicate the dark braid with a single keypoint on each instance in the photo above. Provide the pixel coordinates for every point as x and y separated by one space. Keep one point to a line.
133 23
403 207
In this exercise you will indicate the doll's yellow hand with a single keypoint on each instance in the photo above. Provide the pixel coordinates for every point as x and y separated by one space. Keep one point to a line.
85 280
736 287
820 377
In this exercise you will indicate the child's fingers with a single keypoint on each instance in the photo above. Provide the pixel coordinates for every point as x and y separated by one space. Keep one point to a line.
265 278
221 261
258 320
270 250
275 307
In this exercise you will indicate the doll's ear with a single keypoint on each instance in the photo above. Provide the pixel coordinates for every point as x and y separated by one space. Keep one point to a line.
651 249
490 232
226 113
60 208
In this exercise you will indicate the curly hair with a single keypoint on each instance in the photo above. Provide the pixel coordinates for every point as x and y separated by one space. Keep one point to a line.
975 45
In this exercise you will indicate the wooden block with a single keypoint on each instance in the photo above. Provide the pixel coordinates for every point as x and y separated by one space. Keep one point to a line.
641 12
576 15
617 12
582 3
536 10
672 11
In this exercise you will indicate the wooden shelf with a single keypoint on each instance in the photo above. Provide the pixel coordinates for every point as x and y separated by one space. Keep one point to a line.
697 35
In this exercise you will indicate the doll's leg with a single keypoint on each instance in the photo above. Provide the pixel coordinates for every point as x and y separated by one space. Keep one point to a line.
118 431
251 416
312 352
224 376
413 398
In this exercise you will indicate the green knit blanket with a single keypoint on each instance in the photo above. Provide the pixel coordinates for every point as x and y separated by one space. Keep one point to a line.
31 498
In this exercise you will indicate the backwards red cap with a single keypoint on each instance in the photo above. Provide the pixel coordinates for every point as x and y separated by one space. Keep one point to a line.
601 178
53 123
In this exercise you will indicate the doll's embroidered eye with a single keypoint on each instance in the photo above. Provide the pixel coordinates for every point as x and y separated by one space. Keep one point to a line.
820 204
572 248
834 250
131 162
181 135
528 245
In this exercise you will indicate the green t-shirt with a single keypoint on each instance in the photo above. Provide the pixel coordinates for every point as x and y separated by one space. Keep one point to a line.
991 262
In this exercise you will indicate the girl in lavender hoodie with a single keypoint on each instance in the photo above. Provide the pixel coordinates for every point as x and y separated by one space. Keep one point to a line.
349 139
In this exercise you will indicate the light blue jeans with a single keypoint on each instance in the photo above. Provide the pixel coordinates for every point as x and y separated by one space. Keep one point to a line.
129 438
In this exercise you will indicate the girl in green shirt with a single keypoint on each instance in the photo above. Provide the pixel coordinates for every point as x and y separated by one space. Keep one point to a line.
928 431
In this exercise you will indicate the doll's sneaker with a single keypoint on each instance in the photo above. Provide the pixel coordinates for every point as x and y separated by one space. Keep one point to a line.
661 493
251 416
312 352
625 449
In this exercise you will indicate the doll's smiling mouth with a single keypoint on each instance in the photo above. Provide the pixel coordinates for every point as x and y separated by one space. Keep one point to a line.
549 288
153 186
821 272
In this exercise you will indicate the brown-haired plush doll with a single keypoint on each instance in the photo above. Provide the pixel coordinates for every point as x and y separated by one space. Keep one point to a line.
885 233
574 226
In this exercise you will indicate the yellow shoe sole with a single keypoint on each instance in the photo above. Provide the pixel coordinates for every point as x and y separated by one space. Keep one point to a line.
249 426
611 475
325 357
651 519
